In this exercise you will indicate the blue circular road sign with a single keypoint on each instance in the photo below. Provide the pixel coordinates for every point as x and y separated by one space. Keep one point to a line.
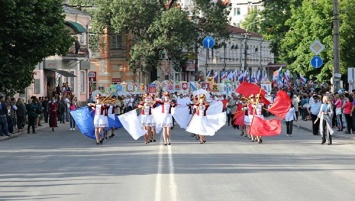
316 62
208 42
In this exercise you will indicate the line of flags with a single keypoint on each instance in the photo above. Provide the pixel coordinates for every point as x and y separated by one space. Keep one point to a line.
284 78
238 75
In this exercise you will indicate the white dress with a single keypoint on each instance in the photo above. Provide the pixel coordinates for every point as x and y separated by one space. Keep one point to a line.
167 117
100 119
146 117
206 125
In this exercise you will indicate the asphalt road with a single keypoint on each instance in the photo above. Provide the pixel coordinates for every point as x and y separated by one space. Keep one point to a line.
65 165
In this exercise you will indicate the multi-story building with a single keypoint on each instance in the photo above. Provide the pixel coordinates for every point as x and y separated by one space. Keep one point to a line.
240 9
71 68
243 51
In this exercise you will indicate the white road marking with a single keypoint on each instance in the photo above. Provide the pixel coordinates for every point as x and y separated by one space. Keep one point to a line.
159 174
173 187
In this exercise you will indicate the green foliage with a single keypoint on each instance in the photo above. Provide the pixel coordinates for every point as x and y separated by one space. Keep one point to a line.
154 27
252 21
28 33
314 21
274 28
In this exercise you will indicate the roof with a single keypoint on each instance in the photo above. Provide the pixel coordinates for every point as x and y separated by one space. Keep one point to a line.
240 31
69 10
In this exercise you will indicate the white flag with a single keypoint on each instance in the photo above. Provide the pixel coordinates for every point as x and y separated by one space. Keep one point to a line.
132 124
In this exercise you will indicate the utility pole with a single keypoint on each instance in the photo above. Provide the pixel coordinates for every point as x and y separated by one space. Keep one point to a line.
196 60
245 51
336 68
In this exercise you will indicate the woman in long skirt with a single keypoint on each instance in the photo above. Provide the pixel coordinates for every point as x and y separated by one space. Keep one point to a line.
53 111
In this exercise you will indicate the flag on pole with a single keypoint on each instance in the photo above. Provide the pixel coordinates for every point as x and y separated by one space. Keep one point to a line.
215 77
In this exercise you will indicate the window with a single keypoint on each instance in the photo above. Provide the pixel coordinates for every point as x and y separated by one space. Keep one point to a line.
238 11
82 81
116 41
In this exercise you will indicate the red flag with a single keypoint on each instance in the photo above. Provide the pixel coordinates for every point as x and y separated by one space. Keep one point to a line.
263 127
238 118
281 105
247 89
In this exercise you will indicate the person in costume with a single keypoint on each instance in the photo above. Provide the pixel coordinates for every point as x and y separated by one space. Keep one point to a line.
258 111
100 119
53 111
111 115
167 121
239 115
147 119
153 126
192 109
198 123
248 109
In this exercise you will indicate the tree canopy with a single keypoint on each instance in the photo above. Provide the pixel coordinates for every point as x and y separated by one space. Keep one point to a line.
293 25
29 32
160 26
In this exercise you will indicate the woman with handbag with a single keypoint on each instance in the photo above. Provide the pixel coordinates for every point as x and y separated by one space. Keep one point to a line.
338 111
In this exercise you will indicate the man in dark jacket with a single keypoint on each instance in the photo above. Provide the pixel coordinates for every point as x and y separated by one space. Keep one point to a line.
3 117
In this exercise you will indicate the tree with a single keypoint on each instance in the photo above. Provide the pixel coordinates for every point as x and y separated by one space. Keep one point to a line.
156 26
252 21
28 33
273 27
314 21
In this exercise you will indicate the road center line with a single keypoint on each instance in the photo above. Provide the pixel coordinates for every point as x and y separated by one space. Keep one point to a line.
173 187
159 175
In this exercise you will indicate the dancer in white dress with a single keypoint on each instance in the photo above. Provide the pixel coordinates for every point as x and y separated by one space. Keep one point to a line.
147 119
167 119
199 124
100 119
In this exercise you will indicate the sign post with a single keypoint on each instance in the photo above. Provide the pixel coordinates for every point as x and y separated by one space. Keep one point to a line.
208 42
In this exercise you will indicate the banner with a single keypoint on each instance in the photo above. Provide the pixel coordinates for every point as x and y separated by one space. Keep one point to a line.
184 87
130 87
152 88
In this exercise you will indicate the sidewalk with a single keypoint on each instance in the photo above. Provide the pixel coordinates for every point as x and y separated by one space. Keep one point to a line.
307 126
2 138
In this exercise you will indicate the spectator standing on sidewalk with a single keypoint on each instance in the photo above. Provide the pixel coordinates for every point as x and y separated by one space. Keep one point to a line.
61 107
45 109
304 107
338 111
12 115
53 112
72 107
3 117
348 115
32 115
314 109
20 114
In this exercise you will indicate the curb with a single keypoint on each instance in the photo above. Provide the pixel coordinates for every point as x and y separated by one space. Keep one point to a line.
334 135
3 138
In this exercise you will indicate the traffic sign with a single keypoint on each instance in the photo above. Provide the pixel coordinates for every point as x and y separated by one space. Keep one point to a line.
208 42
316 62
317 47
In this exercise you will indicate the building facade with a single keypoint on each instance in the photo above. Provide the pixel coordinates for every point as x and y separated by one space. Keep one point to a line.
71 68
241 8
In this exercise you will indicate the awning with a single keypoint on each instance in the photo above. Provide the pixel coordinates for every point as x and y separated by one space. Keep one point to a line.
64 73
78 28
